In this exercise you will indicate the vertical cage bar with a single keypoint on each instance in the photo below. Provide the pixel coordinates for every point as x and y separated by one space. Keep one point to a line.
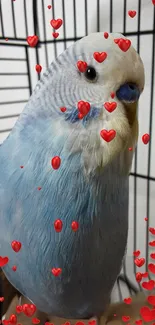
53 13
98 15
111 16
86 18
44 33
64 25
124 17
36 30
13 16
74 15
1 19
25 18
150 132
28 70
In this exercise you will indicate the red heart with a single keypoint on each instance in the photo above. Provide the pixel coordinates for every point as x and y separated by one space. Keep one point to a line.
55 162
106 35
55 35
56 23
132 13
6 322
152 255
3 261
136 253
130 149
138 322
1 299
139 261
100 56
79 323
125 318
145 138
92 322
110 107
32 40
153 1
82 66
146 219
83 107
148 285
152 243
75 225
151 268
152 231
58 225
13 319
124 44
16 246
39 188
19 309
29 309
147 314
66 323
145 275
35 321
38 68
63 109
47 323
138 276
14 268
112 95
49 6
108 135
151 300
56 271
128 301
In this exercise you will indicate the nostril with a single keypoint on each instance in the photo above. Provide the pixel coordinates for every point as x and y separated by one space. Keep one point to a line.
132 87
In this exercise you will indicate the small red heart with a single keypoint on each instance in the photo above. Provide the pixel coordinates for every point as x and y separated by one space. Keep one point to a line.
147 314
152 255
151 268
39 188
145 275
132 13
66 323
32 40
125 318
3 261
138 322
55 162
56 23
13 319
128 301
108 135
110 107
139 261
148 285
138 276
75 225
146 138
152 243
112 95
35 321
100 56
130 149
83 107
14 268
58 225
6 39
38 68
55 35
56 271
16 246
152 231
136 253
92 322
146 219
19 309
21 166
63 109
82 66
151 300
1 299
29 309
49 6
106 35
124 44
153 2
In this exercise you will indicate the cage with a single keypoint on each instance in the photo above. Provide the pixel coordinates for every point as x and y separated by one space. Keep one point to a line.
18 76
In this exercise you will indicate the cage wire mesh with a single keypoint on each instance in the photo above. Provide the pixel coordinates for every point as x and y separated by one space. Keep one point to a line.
18 77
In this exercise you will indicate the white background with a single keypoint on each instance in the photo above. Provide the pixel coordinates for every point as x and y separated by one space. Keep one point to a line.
146 44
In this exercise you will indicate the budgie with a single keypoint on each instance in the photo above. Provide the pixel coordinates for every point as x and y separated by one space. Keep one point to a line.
64 172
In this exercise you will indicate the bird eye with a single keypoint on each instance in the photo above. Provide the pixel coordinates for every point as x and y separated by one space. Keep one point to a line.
90 74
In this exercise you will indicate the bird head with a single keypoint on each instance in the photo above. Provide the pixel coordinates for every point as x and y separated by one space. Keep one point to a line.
120 72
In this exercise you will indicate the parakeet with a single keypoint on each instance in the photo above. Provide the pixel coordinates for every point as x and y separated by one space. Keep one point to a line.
64 178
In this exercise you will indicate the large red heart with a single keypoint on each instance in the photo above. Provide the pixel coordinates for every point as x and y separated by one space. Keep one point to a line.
19 309
128 301
147 314
56 271
32 40
108 135
152 255
16 246
132 13
56 23
138 276
139 261
100 56
13 319
83 107
3 261
124 44
151 268
151 300
152 243
138 322
125 318
152 230
136 253
82 66
29 309
110 107
148 285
